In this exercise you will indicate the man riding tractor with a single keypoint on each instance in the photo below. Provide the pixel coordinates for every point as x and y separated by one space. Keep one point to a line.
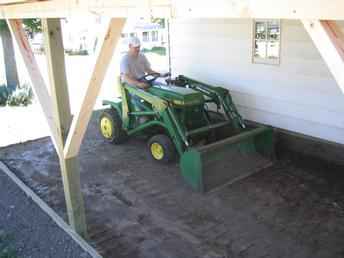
135 65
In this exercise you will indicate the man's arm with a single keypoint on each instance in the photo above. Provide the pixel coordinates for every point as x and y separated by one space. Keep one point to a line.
135 82
150 71
126 76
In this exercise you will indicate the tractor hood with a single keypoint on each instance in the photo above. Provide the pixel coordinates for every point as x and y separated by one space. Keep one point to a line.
177 95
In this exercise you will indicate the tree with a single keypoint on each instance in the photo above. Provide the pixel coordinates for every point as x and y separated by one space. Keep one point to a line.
31 26
9 58
160 21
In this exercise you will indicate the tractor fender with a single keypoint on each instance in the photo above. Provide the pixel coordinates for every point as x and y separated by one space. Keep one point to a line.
117 105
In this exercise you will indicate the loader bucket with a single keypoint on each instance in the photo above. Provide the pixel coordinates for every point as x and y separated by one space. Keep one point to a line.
223 162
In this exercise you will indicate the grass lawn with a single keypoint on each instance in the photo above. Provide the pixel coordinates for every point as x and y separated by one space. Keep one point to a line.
156 50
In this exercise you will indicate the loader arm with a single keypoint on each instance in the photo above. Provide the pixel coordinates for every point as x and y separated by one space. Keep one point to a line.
220 97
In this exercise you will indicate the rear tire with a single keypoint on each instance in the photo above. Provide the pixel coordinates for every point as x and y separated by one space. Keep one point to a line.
110 126
162 149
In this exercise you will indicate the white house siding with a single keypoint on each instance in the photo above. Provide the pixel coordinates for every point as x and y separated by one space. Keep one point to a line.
299 95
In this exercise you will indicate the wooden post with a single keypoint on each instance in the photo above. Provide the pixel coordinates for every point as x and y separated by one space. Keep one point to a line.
38 85
329 39
62 116
81 119
66 135
57 74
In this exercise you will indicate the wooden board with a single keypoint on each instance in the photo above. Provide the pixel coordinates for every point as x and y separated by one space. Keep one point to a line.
81 119
329 39
39 87
16 2
64 8
57 75
62 116
287 9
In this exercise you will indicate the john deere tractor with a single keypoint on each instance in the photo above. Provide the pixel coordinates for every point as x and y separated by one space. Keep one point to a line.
189 121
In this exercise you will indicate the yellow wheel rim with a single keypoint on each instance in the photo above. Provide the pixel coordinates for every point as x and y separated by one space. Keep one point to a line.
106 127
157 151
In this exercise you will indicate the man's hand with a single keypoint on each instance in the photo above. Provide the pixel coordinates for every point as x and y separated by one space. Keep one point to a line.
165 74
143 85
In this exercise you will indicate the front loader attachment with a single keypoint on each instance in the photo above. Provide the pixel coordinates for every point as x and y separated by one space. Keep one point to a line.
228 160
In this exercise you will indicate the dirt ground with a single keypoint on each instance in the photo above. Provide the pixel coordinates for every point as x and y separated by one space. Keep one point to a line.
31 232
138 208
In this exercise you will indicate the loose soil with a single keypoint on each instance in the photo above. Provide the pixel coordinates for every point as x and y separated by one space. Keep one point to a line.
138 208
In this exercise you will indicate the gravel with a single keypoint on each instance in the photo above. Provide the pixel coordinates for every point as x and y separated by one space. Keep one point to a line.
32 233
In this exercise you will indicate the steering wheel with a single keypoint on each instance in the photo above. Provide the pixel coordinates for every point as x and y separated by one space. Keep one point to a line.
149 78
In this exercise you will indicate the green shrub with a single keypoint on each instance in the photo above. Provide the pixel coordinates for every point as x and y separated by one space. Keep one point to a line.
6 249
3 95
22 96
82 52
157 50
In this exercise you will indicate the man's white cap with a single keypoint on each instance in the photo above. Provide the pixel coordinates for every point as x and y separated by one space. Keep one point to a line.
134 41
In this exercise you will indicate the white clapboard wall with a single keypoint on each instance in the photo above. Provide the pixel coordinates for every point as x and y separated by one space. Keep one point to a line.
299 95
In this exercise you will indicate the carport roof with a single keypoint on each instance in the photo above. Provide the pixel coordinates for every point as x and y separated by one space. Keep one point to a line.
287 9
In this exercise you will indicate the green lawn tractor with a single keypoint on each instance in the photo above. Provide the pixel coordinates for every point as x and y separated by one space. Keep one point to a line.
193 122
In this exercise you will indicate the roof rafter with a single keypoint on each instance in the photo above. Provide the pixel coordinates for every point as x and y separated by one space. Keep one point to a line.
285 9
278 9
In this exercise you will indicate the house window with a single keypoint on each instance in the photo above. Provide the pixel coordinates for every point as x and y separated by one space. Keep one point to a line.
133 34
267 41
155 36
145 36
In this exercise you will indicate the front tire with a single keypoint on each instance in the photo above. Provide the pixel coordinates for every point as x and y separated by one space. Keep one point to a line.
162 149
110 126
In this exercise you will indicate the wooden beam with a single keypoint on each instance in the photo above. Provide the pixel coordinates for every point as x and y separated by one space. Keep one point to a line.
37 80
63 117
81 119
70 172
16 2
278 9
328 37
65 8
57 75
268 9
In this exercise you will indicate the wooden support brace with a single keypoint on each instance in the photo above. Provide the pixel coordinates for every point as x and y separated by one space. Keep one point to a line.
63 117
81 119
73 195
37 80
329 39
53 45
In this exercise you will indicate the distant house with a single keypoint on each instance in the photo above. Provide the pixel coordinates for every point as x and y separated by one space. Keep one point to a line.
78 36
81 36
150 34
37 43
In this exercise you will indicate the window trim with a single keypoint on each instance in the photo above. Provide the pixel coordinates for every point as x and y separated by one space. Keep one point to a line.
147 37
265 61
155 39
